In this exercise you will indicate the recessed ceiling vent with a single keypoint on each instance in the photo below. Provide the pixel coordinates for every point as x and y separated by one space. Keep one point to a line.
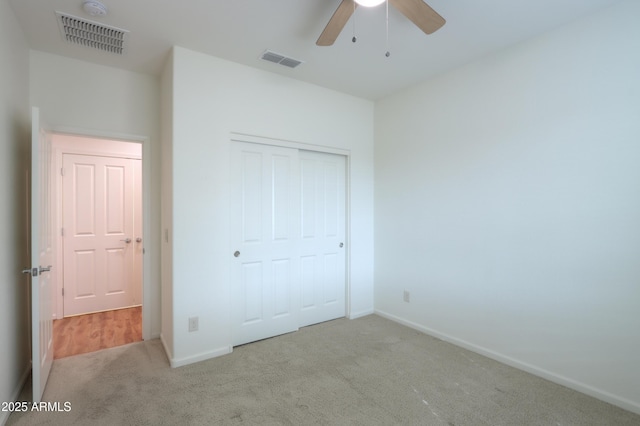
277 58
92 34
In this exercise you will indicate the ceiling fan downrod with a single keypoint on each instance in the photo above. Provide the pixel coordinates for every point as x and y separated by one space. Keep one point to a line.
354 38
387 54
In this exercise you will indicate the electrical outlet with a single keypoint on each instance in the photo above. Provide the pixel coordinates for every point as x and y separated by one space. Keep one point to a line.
406 296
193 324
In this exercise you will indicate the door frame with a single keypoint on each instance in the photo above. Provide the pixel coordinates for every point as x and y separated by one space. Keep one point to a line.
146 209
242 137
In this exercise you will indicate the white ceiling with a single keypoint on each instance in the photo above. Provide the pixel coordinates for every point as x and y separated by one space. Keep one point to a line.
240 30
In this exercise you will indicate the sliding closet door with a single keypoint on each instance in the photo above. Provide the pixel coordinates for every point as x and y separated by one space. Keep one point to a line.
287 252
322 251
265 229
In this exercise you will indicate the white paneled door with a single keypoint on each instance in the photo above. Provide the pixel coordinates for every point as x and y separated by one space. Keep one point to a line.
265 208
101 241
322 253
285 275
41 258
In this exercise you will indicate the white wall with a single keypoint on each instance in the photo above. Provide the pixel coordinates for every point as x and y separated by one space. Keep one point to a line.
15 125
211 99
166 219
508 203
100 100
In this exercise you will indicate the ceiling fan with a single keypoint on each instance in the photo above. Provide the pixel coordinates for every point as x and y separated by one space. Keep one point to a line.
417 11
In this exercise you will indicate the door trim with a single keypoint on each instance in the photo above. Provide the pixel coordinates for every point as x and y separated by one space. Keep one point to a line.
303 146
146 209
241 137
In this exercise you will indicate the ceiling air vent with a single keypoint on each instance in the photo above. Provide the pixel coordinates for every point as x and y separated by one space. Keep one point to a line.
277 58
92 34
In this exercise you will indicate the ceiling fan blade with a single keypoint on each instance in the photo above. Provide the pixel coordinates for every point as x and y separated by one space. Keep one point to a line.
420 14
336 23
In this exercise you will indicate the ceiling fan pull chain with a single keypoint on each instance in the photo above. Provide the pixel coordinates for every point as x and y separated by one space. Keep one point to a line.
387 54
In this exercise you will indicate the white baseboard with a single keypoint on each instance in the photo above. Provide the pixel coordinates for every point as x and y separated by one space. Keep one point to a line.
360 314
180 362
4 415
537 371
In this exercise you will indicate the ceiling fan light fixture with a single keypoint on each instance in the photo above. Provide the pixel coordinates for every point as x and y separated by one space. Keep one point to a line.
369 3
417 11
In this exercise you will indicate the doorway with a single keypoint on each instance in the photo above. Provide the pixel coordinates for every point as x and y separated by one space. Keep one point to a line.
98 211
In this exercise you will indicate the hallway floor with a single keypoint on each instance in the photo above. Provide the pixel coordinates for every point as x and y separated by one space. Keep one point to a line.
93 332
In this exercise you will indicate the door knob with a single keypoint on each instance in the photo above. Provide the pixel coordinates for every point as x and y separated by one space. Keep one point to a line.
127 240
236 254
43 269
341 245
138 240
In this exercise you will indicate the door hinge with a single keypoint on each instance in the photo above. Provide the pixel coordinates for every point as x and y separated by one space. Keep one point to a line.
62 171
63 291
62 232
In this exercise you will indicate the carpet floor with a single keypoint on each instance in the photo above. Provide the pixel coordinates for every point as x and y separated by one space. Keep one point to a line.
368 371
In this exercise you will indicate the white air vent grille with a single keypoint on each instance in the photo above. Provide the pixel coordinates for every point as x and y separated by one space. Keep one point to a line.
92 34
277 58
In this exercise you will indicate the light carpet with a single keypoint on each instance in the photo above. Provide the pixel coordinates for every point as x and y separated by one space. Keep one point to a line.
369 371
